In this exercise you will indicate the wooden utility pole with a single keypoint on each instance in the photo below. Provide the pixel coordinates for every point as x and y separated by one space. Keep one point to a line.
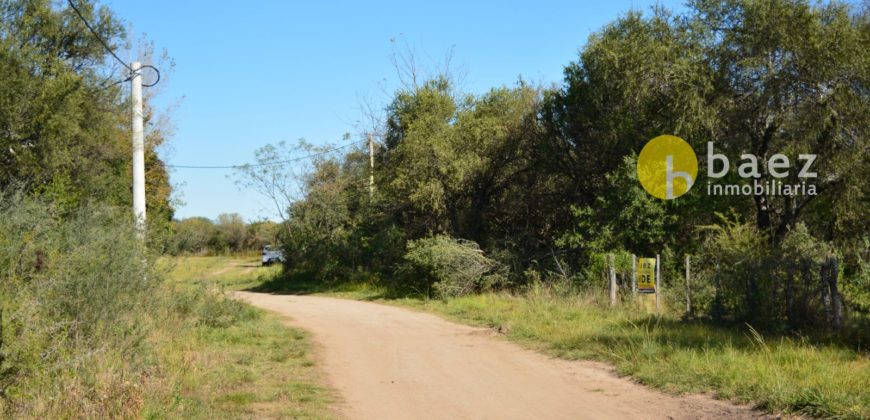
371 166
138 150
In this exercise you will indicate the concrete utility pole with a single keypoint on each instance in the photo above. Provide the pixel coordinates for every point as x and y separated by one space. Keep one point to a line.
138 150
371 166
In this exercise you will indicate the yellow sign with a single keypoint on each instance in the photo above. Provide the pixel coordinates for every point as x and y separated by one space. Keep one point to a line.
667 167
646 275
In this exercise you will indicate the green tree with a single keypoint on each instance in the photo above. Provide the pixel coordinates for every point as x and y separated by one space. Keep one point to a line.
192 235
230 232
261 233
64 128
448 161
791 77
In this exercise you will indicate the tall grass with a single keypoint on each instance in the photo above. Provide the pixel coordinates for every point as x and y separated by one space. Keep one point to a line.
227 359
780 374
86 321
77 299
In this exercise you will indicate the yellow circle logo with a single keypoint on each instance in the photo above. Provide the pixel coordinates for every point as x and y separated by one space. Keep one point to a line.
667 167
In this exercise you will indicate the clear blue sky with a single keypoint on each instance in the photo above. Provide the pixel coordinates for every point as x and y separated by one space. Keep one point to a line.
258 72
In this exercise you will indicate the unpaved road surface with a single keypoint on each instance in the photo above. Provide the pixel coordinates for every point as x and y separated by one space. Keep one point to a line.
394 363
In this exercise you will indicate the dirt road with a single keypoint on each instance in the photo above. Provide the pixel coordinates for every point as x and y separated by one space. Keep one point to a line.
394 363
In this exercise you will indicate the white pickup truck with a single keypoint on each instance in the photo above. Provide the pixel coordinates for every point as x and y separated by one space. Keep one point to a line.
271 256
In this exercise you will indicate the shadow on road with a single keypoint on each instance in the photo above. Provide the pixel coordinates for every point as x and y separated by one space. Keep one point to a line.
302 284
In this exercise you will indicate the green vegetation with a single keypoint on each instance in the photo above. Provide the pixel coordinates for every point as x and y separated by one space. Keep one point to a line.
520 193
230 234
456 267
90 326
221 272
543 181
65 126
91 329
236 362
780 374
78 303
522 189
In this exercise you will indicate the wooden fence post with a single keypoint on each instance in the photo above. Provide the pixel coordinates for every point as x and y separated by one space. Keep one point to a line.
633 275
658 281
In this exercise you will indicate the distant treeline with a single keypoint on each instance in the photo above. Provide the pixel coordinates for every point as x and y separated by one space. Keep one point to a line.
228 234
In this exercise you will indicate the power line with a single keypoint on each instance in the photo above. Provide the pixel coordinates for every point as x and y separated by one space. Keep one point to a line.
96 35
109 49
277 162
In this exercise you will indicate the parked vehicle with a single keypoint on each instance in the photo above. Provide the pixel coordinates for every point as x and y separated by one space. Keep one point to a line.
271 256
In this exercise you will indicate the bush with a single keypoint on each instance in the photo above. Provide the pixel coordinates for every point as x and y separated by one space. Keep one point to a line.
455 267
743 277
76 298
596 274
79 304
218 311
856 287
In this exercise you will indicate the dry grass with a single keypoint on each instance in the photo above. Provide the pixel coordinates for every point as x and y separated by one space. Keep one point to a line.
256 367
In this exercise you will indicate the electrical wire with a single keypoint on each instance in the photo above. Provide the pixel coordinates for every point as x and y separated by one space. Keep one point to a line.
152 68
96 35
134 74
109 49
278 162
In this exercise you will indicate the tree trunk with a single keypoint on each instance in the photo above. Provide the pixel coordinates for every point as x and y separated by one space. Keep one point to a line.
789 300
830 295
762 213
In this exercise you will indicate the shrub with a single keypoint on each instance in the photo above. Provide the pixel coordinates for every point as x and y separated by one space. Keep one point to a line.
217 311
76 297
455 267
744 277
79 303
597 273
856 287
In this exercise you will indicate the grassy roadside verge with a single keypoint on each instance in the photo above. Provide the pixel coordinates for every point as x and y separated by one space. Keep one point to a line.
779 375
92 325
776 374
242 363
